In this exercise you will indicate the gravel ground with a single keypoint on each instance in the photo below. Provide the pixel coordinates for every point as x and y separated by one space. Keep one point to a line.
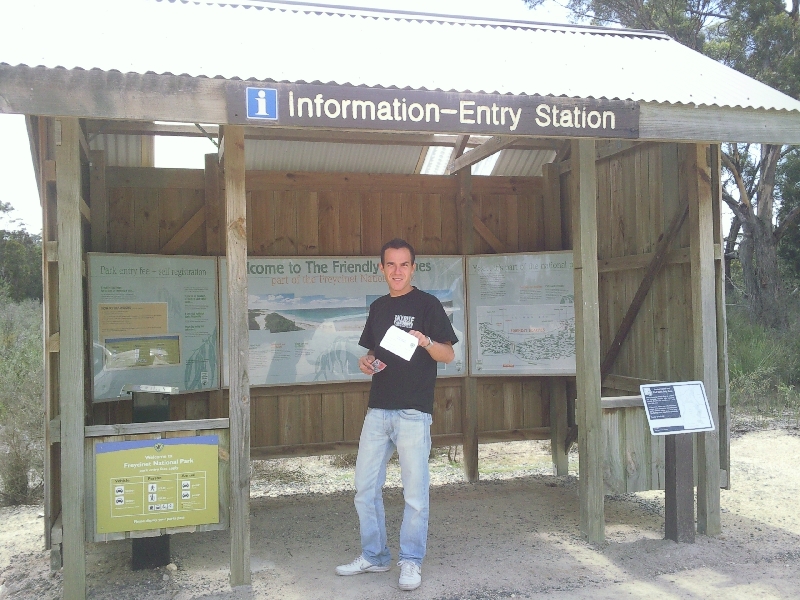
512 535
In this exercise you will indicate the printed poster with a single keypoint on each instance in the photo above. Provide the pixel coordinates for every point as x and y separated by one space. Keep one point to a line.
306 314
154 484
154 321
522 314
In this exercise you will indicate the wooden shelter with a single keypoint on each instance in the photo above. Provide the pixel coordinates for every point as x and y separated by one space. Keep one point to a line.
631 185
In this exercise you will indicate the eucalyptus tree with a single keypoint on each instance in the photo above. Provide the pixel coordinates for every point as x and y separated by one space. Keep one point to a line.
760 38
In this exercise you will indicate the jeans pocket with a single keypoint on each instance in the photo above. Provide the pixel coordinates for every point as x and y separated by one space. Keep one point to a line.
412 414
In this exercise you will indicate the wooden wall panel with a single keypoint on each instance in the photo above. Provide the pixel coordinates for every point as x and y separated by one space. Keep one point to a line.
346 215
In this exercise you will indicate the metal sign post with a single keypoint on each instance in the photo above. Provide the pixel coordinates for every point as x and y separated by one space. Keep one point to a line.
150 404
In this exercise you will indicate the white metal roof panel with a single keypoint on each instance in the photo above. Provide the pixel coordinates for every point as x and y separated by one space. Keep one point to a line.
352 47
275 155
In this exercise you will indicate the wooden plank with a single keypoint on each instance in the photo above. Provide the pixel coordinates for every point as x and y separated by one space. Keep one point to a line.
371 236
512 405
608 403
514 435
644 288
626 384
350 224
637 450
490 238
158 179
640 261
213 205
71 360
285 223
431 223
184 233
329 220
99 201
552 207
308 223
679 490
355 409
613 469
238 352
486 149
704 332
154 427
332 417
411 210
587 341
558 424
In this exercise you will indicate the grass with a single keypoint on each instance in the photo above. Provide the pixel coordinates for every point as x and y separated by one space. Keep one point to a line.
764 370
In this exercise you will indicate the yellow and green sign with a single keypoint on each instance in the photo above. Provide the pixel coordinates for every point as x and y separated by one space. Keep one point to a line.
154 484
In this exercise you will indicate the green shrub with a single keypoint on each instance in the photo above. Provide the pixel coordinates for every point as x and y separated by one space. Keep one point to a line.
21 405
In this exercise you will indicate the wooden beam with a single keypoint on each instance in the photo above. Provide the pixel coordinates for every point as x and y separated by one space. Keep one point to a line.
154 427
621 402
626 384
71 359
214 209
238 352
587 341
49 171
51 251
476 155
423 154
695 167
98 196
559 404
653 269
486 233
53 343
185 232
85 211
466 245
679 488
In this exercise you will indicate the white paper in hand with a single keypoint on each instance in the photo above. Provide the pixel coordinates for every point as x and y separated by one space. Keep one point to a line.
399 342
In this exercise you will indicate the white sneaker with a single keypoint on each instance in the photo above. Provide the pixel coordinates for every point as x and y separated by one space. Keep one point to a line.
410 575
361 565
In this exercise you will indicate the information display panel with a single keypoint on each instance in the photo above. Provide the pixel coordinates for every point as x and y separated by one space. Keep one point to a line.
154 484
154 321
680 407
522 314
306 314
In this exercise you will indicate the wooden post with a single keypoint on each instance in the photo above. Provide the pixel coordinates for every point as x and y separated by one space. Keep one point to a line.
238 344
723 397
587 340
704 328
466 243
98 200
557 385
678 488
71 363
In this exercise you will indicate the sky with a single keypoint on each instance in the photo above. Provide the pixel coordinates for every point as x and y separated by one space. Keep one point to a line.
17 181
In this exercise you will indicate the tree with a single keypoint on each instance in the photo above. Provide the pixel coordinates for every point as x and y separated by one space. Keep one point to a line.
760 38
20 262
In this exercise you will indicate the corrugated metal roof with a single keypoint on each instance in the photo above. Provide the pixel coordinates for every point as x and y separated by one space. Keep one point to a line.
361 47
274 155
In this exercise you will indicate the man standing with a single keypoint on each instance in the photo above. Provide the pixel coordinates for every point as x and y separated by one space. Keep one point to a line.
399 416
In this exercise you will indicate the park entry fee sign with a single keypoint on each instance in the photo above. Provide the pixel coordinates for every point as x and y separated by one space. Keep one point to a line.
154 484
677 408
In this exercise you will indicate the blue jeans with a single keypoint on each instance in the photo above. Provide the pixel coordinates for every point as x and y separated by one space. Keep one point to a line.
410 432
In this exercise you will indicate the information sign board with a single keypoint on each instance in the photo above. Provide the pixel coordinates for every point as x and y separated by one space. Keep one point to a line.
154 484
677 407
154 320
306 314
522 314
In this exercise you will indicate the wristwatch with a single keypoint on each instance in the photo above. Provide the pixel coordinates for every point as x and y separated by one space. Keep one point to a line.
430 342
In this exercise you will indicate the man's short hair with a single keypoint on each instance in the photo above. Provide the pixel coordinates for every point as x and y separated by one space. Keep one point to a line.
397 244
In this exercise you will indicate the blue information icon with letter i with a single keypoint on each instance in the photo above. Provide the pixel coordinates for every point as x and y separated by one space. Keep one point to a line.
262 103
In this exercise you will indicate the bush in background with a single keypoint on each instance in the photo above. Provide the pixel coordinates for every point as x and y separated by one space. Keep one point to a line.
21 406
764 370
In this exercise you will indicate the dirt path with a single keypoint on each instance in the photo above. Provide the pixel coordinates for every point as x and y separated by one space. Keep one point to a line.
513 538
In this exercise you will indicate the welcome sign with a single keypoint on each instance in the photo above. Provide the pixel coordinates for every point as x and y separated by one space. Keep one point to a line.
347 107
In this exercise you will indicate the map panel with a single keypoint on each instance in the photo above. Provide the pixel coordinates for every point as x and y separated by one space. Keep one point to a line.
306 314
154 321
522 314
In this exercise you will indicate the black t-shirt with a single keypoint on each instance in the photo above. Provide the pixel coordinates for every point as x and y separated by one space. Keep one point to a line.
405 383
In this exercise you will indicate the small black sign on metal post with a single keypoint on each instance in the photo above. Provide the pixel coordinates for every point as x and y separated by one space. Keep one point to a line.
677 410
150 404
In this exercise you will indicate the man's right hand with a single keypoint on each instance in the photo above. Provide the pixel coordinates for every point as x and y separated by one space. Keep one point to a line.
365 364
